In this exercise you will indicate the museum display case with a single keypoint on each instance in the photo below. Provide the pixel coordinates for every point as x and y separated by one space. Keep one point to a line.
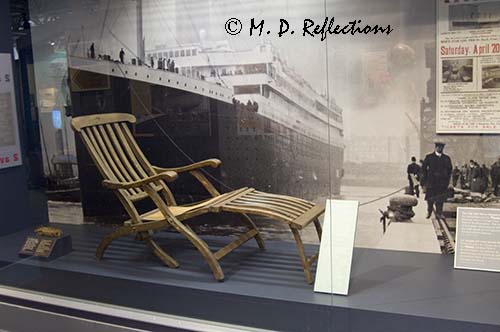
300 165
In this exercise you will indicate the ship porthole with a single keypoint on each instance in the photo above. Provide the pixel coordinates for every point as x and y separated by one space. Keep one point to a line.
160 78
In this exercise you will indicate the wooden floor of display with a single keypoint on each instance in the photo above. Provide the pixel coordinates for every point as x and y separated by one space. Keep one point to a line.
392 290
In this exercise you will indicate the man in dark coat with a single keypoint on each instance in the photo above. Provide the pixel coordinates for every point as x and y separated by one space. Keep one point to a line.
122 56
463 176
475 174
92 51
436 175
413 171
455 175
485 178
470 170
495 177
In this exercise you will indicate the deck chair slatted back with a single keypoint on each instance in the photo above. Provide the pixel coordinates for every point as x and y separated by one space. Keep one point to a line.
117 154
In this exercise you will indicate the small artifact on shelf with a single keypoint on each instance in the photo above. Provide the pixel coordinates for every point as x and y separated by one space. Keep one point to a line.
48 231
47 243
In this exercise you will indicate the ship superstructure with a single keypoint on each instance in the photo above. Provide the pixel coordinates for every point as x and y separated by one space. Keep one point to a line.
261 76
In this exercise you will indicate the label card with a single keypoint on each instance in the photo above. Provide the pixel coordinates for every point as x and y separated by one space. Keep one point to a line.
337 243
10 151
45 247
29 246
478 239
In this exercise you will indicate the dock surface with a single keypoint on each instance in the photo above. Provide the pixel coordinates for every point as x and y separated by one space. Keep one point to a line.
417 235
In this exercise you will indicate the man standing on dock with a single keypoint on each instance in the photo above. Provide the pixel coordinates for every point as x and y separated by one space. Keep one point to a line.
436 175
413 171
92 51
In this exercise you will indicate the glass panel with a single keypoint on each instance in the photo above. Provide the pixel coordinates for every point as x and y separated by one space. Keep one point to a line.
156 137
270 132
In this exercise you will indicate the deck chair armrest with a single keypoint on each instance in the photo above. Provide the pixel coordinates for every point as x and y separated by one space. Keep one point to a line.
166 175
214 163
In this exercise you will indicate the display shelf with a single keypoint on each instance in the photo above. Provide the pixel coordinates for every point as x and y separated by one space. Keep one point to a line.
390 290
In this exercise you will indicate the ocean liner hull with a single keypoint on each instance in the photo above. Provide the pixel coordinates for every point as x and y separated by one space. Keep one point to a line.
176 127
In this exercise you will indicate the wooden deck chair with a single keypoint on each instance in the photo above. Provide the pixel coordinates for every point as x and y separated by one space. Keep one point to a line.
129 174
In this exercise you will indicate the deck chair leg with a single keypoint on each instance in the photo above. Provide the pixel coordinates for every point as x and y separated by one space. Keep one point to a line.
257 237
203 248
319 230
106 241
160 253
302 254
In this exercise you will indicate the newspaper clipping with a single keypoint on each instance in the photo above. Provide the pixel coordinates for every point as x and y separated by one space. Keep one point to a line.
10 153
468 67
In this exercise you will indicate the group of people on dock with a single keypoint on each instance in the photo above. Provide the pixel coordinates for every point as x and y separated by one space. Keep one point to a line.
438 178
477 178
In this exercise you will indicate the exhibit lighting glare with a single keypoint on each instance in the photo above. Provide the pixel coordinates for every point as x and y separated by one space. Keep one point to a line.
57 119
52 43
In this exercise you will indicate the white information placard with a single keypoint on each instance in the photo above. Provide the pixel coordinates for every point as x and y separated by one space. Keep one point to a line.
337 243
10 151
477 245
468 66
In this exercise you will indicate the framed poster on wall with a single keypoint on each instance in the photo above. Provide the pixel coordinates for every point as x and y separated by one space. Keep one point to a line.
10 151
468 66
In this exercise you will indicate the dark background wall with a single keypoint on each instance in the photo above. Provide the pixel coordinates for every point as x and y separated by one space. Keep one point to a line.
19 206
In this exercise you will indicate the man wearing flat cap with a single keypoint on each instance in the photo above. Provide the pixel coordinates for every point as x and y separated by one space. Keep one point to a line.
436 175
